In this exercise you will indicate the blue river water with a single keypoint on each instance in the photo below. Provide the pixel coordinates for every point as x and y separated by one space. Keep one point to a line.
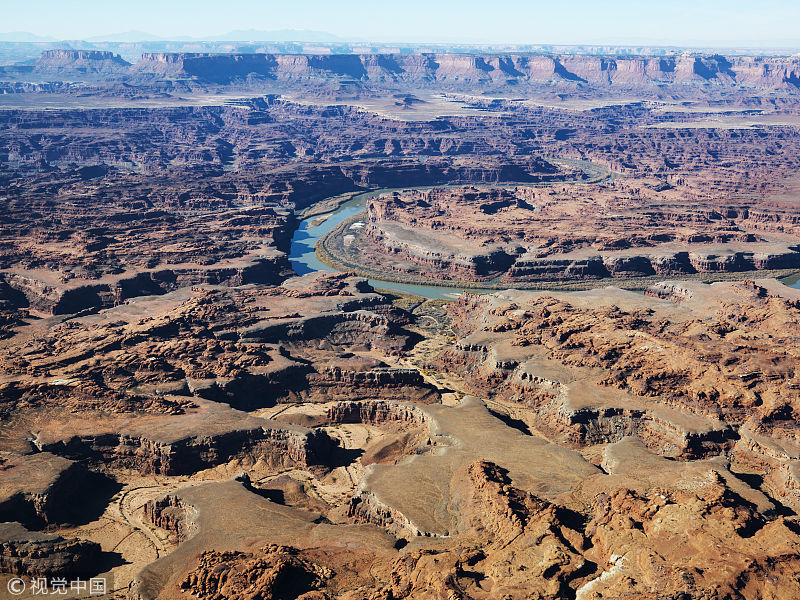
301 254
793 281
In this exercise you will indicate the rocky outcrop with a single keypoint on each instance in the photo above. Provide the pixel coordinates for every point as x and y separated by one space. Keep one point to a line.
379 377
42 489
273 573
585 427
522 546
778 460
377 413
607 554
172 514
34 554
159 252
669 291
512 544
249 520
627 527
365 507
225 345
707 380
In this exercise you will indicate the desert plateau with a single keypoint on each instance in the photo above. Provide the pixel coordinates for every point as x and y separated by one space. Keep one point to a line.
382 322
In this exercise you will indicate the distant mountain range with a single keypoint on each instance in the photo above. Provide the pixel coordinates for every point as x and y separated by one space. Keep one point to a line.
24 36
279 35
239 35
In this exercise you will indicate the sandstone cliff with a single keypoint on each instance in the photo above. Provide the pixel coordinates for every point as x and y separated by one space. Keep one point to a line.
425 69
85 61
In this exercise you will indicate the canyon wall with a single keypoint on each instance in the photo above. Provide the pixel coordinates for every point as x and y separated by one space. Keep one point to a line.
502 68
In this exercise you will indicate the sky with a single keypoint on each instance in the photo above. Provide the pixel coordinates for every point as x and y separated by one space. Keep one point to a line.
673 22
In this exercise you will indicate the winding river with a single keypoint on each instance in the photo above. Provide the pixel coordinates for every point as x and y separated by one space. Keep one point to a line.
304 260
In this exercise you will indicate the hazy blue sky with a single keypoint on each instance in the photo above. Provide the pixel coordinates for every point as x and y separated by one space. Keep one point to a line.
685 22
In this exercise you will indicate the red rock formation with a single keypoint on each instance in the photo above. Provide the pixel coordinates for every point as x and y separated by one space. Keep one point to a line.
724 548
172 514
273 573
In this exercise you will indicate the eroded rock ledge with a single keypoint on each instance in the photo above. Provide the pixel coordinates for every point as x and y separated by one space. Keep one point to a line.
210 436
715 378
532 235
24 552
41 489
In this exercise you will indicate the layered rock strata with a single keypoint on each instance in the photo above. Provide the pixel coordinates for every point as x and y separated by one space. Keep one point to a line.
199 440
425 69
524 235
